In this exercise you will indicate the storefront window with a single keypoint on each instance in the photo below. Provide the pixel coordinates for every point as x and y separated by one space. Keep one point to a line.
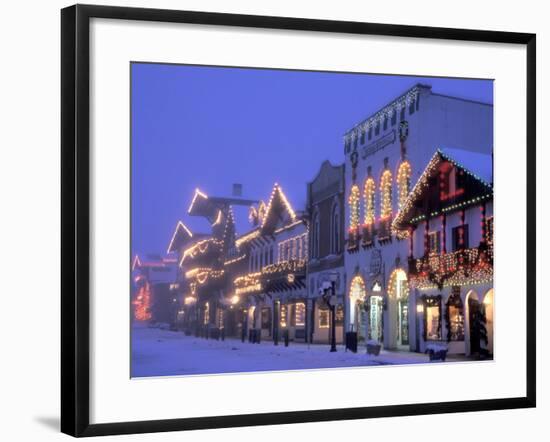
455 313
300 314
206 313
283 315
339 314
375 317
323 318
432 312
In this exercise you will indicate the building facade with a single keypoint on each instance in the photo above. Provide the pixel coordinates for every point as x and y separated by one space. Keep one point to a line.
449 215
326 211
272 291
384 155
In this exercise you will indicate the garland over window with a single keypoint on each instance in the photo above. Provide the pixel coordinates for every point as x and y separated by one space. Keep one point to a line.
403 182
386 195
370 188
354 209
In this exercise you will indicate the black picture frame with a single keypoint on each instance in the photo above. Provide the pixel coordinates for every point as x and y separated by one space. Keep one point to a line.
75 212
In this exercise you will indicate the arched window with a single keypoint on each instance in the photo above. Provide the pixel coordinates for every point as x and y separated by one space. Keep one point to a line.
315 235
335 229
385 195
357 295
403 183
354 209
370 191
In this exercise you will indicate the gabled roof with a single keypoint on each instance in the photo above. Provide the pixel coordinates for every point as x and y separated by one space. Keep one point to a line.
181 235
476 165
277 207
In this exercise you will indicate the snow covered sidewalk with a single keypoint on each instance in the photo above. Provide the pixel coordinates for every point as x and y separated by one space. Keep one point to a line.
157 352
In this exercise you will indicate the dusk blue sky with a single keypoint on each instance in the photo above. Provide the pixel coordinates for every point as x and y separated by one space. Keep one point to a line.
210 127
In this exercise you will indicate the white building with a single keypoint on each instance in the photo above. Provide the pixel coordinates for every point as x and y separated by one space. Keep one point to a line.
384 155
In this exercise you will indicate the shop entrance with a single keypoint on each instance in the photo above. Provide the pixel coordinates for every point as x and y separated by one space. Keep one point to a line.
474 313
376 311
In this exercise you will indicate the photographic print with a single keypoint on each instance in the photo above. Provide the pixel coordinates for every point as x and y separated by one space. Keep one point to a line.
297 220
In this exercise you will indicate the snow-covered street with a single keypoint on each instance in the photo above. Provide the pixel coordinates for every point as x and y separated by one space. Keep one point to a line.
157 352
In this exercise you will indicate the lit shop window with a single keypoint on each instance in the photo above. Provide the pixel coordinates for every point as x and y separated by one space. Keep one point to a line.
354 210
323 318
403 182
300 314
207 313
432 313
370 191
456 318
386 195
284 311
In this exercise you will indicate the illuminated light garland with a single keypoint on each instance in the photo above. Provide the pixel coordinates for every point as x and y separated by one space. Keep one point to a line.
142 303
136 263
453 207
370 196
386 195
423 184
288 226
386 112
357 291
292 244
463 267
248 283
197 194
194 272
247 237
248 289
218 218
354 209
403 182
277 190
179 226
200 248
201 274
291 266
398 275
237 259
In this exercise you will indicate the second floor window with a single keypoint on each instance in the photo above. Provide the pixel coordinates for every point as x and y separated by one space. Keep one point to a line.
434 242
335 243
460 237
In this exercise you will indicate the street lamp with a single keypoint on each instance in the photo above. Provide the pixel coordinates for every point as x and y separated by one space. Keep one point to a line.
329 296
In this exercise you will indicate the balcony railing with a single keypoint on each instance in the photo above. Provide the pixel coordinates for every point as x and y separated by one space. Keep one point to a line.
456 268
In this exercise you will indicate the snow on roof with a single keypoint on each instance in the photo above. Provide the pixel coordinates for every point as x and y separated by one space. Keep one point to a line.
478 164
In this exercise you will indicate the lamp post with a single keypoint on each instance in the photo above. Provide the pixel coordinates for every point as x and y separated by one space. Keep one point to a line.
329 296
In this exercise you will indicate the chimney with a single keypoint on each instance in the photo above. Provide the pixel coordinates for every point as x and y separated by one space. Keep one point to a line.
237 189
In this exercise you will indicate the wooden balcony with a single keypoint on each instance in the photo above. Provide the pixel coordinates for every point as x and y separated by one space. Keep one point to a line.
474 265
